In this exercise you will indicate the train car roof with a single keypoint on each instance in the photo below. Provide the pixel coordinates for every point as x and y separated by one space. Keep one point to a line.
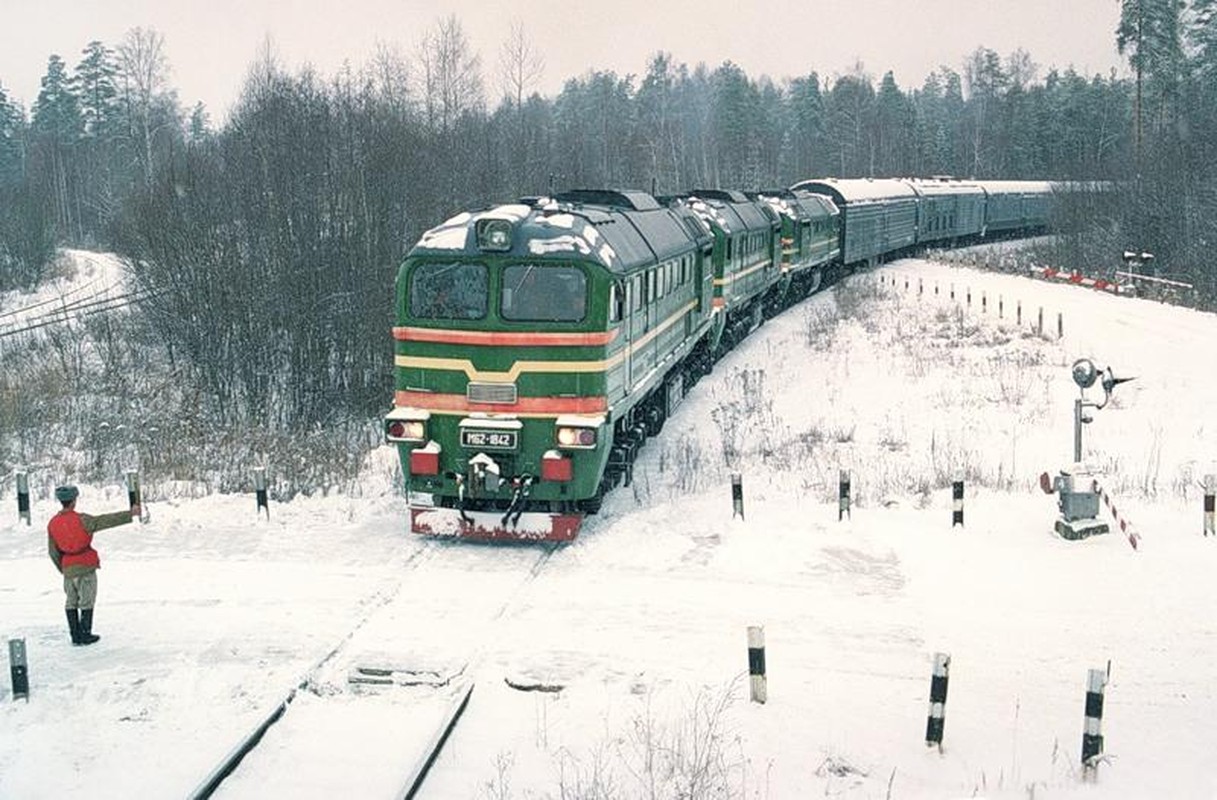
858 190
933 187
620 230
1016 187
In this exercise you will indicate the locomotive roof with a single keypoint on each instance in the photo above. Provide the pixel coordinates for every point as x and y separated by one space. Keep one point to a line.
621 230
799 205
729 210
858 190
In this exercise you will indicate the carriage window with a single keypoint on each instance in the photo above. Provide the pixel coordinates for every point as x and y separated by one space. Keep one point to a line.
543 293
448 291
617 302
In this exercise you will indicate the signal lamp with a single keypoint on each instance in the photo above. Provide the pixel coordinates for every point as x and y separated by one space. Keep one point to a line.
494 235
576 437
405 430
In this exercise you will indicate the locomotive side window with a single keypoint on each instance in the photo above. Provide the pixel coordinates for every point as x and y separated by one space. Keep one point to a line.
543 293
617 303
449 291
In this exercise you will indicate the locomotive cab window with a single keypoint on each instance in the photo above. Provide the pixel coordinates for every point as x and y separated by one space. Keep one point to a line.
448 291
547 293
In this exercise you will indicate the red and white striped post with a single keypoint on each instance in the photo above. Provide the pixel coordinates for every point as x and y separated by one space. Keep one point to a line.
936 719
1210 488
756 663
1126 527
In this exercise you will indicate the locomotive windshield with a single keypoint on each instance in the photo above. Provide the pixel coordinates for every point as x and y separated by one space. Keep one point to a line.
544 293
449 291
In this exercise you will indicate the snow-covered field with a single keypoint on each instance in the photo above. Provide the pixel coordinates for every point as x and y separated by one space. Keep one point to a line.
210 615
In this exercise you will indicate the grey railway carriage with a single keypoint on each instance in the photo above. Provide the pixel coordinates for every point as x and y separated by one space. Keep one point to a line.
949 210
878 216
1016 206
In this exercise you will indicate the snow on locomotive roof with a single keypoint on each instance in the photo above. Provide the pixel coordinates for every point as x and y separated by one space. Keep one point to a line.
619 229
858 190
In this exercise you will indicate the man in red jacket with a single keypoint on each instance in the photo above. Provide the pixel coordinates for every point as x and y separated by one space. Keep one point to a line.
70 545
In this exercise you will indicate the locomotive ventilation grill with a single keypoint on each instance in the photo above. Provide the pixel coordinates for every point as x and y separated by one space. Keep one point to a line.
491 393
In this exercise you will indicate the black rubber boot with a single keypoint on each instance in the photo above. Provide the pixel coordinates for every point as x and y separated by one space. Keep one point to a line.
86 627
73 624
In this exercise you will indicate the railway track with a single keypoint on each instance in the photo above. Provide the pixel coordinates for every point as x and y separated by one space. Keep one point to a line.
67 308
371 716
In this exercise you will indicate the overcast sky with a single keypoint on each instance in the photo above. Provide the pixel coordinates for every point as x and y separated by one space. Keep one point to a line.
211 42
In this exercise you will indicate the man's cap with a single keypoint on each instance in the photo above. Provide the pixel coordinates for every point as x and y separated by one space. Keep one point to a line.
66 494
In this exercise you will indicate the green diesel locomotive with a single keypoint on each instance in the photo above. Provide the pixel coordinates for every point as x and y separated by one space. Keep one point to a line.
539 344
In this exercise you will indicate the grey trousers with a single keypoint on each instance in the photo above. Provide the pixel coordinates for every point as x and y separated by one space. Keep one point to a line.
81 591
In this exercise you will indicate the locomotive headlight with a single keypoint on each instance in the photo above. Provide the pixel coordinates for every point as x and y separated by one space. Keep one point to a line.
406 425
576 437
494 234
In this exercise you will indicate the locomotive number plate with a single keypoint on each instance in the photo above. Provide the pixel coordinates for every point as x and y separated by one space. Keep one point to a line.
489 440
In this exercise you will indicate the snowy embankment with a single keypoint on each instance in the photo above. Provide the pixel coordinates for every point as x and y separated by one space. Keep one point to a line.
209 615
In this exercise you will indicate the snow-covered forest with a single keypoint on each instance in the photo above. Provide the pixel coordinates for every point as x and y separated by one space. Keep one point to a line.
262 247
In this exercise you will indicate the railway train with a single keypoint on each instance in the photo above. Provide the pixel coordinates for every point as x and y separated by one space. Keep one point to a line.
539 344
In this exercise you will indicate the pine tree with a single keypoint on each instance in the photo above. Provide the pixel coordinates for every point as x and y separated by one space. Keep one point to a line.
56 129
12 140
94 86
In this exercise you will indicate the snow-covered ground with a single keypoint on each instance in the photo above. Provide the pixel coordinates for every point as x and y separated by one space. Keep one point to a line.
84 283
210 616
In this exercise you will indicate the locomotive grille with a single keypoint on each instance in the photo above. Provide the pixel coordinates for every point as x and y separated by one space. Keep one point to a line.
491 393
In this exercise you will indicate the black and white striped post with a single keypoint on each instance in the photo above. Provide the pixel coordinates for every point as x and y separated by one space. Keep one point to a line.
984 303
260 490
1210 488
737 495
756 663
1001 307
1018 314
18 669
1092 734
843 496
23 497
938 700
133 493
1039 325
957 502
1060 325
